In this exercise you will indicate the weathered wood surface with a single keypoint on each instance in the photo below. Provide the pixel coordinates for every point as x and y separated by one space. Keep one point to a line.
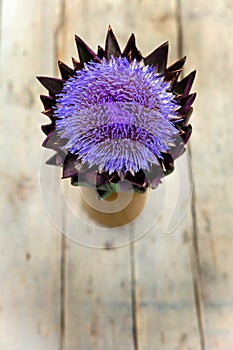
207 32
30 245
167 291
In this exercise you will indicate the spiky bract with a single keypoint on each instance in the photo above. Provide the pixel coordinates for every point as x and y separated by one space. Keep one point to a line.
118 116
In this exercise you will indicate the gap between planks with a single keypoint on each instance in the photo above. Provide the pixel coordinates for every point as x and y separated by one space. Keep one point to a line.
58 29
62 293
0 21
134 301
195 262
194 249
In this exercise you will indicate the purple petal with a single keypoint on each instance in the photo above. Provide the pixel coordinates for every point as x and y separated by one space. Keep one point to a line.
158 58
57 159
186 103
111 45
53 85
100 52
131 51
77 65
66 72
183 87
85 53
177 65
48 101
47 128
71 166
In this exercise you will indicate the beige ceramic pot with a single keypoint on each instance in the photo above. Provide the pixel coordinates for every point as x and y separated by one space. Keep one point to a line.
116 210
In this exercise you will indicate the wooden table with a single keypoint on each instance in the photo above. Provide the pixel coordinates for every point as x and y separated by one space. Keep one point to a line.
166 291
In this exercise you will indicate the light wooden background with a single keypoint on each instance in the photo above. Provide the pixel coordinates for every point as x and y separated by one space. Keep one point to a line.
165 292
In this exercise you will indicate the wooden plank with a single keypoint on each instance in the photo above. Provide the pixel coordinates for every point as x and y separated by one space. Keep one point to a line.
165 308
98 299
110 306
165 277
105 319
207 29
30 246
97 295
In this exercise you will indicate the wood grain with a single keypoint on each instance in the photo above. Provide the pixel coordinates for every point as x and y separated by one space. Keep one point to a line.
166 309
98 308
160 309
30 246
207 29
167 290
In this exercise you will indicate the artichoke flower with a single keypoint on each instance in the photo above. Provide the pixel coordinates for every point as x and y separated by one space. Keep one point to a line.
117 116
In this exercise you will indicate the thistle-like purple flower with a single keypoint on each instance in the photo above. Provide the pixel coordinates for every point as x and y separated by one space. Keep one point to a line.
118 116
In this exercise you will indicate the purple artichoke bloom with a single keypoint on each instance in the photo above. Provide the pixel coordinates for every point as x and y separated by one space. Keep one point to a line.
118 115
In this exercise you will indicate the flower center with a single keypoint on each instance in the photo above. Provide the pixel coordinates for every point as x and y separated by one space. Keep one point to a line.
125 131
116 110
120 131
